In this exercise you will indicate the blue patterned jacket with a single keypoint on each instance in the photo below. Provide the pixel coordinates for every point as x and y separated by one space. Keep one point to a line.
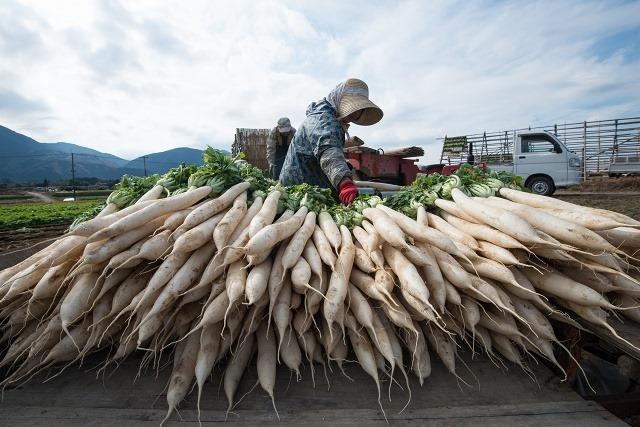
315 155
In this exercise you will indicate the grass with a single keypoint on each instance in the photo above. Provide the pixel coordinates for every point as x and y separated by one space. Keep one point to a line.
83 194
30 215
14 197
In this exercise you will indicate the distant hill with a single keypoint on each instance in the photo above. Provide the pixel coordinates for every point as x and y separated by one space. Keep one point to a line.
161 162
67 147
25 160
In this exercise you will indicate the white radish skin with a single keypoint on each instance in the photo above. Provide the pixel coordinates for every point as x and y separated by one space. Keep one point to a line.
290 352
558 228
363 262
300 276
416 344
506 348
257 259
563 287
213 207
266 362
68 347
312 257
214 311
230 221
121 242
500 219
376 240
451 269
155 247
386 227
366 357
182 375
452 209
154 193
630 304
497 253
622 236
538 322
338 284
162 276
588 217
186 277
529 296
282 310
236 367
51 282
443 346
484 232
78 300
267 213
269 236
451 231
243 226
156 210
433 275
324 247
235 283
119 259
207 354
96 224
328 225
410 279
298 241
257 281
276 278
197 236
367 285
453 296
596 281
361 310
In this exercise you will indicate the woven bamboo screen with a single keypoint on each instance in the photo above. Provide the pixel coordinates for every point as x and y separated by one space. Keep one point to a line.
253 143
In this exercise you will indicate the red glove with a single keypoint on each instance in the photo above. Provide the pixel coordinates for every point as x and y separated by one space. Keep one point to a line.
347 191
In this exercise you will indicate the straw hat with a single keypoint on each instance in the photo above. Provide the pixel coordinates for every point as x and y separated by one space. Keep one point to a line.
355 97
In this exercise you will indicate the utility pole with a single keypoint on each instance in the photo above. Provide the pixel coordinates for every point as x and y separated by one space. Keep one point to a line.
73 177
144 160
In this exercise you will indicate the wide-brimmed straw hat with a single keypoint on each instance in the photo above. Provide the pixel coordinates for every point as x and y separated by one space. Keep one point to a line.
355 97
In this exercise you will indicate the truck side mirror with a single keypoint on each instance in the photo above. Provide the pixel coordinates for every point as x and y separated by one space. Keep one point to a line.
557 148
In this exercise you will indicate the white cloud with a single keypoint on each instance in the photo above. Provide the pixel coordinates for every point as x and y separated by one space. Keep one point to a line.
136 77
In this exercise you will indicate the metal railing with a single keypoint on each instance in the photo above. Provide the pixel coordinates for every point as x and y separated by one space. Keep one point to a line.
598 142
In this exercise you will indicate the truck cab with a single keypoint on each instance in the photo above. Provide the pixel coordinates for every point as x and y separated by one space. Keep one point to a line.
542 160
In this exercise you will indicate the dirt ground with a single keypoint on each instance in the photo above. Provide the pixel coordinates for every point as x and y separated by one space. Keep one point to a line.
602 184
628 204
12 240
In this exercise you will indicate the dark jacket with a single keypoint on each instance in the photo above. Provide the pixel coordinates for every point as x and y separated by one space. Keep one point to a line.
315 155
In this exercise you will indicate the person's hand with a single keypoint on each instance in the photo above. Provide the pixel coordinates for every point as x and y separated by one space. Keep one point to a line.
347 191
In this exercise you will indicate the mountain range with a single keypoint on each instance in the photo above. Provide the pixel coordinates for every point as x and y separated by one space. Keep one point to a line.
25 160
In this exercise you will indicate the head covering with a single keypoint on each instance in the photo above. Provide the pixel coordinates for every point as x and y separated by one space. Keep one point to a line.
353 95
284 125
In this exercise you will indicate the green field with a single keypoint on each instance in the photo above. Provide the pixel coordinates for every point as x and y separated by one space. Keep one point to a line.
9 197
94 194
30 215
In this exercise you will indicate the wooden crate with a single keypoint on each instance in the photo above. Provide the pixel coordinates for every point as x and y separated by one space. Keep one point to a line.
253 143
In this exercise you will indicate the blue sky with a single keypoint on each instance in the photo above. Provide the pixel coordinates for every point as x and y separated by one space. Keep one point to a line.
136 77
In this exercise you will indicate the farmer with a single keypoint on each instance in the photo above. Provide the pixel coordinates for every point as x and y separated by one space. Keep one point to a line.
278 144
316 154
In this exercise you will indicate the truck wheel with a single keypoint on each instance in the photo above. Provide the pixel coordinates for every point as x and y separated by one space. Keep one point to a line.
542 185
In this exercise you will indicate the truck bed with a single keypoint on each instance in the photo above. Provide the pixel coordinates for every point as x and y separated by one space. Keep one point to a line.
498 398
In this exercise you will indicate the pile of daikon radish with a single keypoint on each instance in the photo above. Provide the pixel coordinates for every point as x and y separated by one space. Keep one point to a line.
228 281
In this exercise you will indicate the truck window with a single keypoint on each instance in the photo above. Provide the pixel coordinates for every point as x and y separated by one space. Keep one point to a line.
538 144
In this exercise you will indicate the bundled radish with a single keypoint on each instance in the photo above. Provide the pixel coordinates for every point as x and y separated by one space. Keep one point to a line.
221 267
